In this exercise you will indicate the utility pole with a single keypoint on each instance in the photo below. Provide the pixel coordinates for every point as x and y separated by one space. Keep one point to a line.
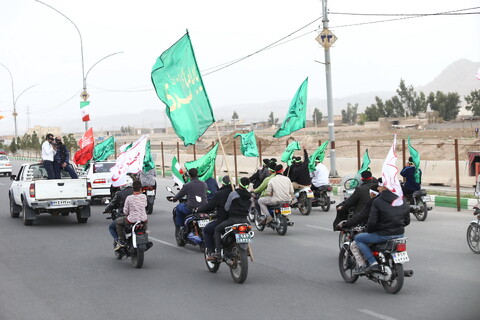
326 39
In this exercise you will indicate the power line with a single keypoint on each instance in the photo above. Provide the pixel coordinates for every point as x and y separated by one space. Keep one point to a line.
50 109
446 13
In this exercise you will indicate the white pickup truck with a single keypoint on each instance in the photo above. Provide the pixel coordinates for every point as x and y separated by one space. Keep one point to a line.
31 194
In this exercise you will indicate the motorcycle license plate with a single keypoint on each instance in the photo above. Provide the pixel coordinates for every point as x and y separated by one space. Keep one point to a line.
150 192
286 211
426 198
203 223
310 194
400 257
243 238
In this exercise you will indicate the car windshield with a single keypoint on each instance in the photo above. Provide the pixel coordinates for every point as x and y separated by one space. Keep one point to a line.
3 158
102 167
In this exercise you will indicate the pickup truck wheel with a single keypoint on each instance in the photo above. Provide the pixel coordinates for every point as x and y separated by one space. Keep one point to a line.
26 210
80 219
14 208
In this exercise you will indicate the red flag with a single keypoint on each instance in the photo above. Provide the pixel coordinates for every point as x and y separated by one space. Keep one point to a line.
86 145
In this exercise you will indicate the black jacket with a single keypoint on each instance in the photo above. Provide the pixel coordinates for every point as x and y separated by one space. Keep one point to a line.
385 219
409 174
300 172
218 202
195 188
256 179
238 203
361 217
360 196
118 200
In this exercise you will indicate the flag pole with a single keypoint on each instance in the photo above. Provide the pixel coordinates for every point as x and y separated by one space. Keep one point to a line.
224 155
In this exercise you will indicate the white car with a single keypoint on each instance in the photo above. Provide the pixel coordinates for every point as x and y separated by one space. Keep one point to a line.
100 177
5 165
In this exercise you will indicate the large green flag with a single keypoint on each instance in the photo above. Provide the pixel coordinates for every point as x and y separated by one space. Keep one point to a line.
365 163
287 154
297 115
104 149
248 144
318 154
205 165
416 160
178 84
148 163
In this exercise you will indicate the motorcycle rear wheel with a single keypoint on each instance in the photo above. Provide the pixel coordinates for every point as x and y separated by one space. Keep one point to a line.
118 255
304 205
180 241
137 258
421 215
282 228
396 283
251 214
211 266
473 238
326 206
346 264
260 227
239 271
149 208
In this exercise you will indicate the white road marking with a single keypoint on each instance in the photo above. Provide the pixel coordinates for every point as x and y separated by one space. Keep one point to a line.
167 243
321 228
1 184
376 315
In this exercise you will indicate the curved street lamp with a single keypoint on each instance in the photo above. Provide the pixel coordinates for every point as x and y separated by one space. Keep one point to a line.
84 95
14 100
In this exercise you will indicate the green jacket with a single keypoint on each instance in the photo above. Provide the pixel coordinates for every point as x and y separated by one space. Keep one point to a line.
262 189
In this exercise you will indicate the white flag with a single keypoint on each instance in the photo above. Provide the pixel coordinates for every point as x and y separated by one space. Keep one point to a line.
389 174
130 161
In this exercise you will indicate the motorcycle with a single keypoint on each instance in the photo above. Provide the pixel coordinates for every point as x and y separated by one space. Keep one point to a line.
192 230
390 256
136 242
304 198
150 193
473 232
322 198
418 204
280 220
235 251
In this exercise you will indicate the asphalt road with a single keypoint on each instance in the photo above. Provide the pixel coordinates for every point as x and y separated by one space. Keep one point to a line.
59 269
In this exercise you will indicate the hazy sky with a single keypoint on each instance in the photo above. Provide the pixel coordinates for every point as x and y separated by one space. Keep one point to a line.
39 46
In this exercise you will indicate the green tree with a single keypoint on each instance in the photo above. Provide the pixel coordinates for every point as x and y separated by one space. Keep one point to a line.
317 116
473 102
13 147
447 105
412 103
70 143
376 110
271 119
235 115
350 115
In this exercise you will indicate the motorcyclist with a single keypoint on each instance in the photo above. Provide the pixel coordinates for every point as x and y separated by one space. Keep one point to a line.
279 190
196 192
217 202
319 176
385 222
148 178
410 185
300 175
237 206
212 188
357 200
118 202
261 173
262 188
61 160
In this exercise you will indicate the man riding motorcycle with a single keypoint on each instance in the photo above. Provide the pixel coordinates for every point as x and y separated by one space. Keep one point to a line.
410 185
300 175
196 192
279 190
319 176
357 200
217 202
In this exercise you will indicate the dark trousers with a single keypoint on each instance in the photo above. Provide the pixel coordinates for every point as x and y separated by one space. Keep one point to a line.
48 165
208 235
219 229
57 169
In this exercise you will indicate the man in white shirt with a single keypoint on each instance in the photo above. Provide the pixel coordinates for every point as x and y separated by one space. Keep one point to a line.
48 152
320 175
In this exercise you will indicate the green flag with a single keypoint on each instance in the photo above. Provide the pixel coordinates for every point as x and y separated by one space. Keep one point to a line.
297 115
287 154
248 144
178 84
365 163
177 172
318 154
104 149
416 160
148 163
205 165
